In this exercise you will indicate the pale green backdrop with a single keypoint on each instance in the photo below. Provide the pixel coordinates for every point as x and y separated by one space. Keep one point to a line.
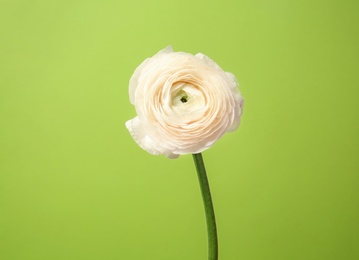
74 185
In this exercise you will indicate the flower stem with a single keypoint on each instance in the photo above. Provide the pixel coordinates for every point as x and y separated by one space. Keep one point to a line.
208 207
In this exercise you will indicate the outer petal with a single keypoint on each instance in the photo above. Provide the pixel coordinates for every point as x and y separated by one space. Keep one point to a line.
239 101
136 129
134 79
208 60
237 117
137 132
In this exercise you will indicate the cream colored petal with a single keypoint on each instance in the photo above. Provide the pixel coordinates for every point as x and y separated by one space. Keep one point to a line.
136 75
138 133
171 155
208 60
237 115
134 80
168 49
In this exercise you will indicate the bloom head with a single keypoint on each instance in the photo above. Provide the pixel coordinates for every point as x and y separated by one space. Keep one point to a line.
184 103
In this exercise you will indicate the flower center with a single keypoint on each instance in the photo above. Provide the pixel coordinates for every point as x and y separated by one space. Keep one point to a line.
180 96
184 99
187 101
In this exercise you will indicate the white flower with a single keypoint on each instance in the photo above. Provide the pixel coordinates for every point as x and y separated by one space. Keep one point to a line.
184 103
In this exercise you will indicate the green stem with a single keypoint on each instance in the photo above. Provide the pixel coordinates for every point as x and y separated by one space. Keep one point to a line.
208 207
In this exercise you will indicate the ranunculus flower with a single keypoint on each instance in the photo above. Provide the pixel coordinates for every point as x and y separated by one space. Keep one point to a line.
184 103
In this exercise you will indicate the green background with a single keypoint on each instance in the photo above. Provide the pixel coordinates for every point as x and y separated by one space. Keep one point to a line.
73 183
